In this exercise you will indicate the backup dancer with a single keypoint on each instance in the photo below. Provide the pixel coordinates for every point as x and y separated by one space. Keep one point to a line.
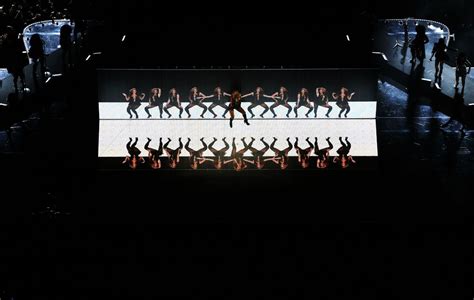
236 104
154 101
258 155
219 100
173 101
196 156
281 156
303 100
463 67
134 101
237 157
321 100
322 161
154 154
259 100
418 45
344 158
195 99
280 98
173 154
342 101
219 155
304 154
439 52
134 155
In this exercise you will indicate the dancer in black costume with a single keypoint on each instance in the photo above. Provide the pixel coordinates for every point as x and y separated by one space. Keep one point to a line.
259 100
342 101
195 99
439 52
258 155
173 154
154 154
304 154
280 98
154 101
463 67
219 155
344 158
321 100
134 101
237 157
219 100
134 155
236 104
322 161
281 156
196 156
418 45
303 100
173 101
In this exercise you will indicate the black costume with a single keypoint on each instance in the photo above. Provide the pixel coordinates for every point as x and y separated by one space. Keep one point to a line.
258 100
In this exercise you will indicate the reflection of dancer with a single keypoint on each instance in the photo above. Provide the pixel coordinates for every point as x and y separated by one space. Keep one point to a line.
463 67
322 161
219 100
280 98
343 153
219 155
134 154
439 52
173 101
281 156
196 156
154 101
303 100
321 100
195 99
173 155
418 45
133 101
238 156
258 100
154 155
304 154
236 104
258 159
342 101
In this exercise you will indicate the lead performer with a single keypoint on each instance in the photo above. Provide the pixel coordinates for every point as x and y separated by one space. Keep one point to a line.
236 104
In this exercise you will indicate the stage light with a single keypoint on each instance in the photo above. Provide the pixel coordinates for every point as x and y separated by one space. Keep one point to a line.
381 54
48 80
88 57
348 38
426 79
437 86
57 75
124 37
452 37
470 104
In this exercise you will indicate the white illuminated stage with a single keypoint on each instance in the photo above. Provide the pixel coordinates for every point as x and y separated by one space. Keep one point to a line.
114 134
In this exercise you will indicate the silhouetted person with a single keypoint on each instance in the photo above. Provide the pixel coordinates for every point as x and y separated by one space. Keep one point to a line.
439 52
66 46
321 100
281 98
134 155
463 67
14 57
154 101
418 45
196 156
174 100
134 101
219 100
342 101
303 100
195 99
36 53
154 154
259 100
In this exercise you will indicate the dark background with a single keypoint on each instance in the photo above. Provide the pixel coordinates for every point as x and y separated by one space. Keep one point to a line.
112 83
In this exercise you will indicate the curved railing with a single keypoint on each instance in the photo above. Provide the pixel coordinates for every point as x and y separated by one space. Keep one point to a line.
432 27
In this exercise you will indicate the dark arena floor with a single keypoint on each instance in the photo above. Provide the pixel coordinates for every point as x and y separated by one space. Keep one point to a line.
123 175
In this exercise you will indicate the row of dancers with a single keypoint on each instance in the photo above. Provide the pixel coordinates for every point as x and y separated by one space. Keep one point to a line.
237 158
221 98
